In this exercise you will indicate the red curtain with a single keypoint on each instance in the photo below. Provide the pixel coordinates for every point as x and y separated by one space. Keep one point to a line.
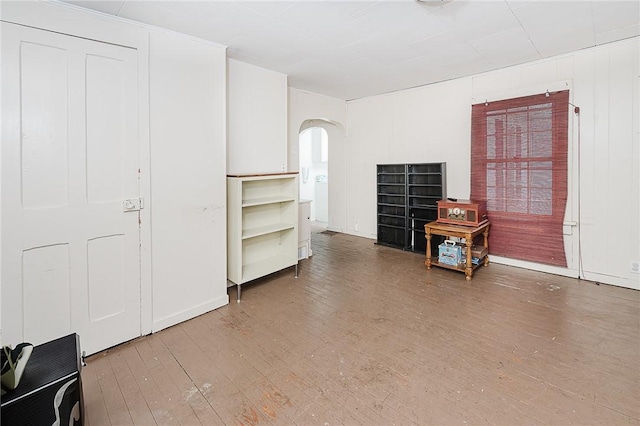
519 167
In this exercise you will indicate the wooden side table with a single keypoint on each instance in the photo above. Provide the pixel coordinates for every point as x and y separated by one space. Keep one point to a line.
460 231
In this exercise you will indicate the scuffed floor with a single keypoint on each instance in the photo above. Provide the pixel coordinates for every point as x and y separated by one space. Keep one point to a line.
367 336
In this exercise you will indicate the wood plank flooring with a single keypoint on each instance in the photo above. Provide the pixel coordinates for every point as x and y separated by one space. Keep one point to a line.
367 336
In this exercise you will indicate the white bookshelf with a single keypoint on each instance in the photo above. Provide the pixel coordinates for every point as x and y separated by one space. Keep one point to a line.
262 225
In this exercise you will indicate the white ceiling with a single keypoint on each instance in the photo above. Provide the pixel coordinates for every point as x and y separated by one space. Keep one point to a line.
353 49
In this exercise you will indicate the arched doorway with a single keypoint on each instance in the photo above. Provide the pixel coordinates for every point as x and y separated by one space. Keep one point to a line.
336 167
314 173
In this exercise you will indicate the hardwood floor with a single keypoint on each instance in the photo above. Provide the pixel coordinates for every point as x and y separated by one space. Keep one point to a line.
367 336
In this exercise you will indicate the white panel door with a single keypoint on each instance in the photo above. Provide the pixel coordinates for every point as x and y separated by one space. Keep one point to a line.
70 253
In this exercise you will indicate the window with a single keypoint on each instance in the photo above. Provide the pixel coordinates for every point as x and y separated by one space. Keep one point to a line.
519 167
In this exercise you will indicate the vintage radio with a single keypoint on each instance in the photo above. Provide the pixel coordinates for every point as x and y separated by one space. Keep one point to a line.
462 212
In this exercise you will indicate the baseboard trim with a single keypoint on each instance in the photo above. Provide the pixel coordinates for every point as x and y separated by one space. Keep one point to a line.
190 313
566 272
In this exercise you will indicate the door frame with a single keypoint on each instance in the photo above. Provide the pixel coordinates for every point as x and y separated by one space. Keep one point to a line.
78 22
336 167
300 183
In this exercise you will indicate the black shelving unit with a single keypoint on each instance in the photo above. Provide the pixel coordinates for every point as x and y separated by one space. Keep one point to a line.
407 197
392 206
426 184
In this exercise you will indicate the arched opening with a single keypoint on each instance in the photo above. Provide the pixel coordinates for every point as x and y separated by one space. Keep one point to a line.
336 168
314 173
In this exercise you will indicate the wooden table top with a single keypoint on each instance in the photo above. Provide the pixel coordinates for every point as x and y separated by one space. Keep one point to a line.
446 227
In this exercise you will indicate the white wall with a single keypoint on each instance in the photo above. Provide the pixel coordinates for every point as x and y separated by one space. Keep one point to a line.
607 91
312 110
257 119
432 124
188 195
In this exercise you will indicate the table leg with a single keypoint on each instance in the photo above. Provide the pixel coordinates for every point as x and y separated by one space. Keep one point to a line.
468 270
427 261
486 244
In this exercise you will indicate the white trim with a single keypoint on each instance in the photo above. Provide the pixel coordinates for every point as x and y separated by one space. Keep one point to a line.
565 272
356 234
225 142
132 22
570 225
72 20
550 269
190 313
608 279
144 164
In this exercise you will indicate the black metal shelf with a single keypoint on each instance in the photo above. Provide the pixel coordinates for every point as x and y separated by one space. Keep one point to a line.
406 184
390 226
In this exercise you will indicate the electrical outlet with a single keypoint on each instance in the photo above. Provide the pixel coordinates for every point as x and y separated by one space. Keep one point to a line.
355 227
635 267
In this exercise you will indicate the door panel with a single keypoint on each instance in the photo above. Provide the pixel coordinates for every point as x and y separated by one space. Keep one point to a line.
104 128
71 256
44 144
45 280
106 276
